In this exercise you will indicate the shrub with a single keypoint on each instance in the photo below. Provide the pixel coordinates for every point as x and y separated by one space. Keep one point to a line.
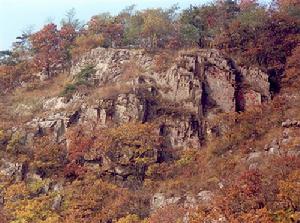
92 200
80 79
85 43
68 90
85 74
132 218
48 157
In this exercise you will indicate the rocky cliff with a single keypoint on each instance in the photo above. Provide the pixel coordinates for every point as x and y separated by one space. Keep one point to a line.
182 97
180 93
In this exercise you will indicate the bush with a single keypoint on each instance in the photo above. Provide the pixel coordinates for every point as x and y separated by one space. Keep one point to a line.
80 79
68 90
85 74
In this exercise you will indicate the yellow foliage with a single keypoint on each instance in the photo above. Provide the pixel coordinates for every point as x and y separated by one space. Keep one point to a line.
139 139
132 218
86 43
24 208
1 134
93 200
290 190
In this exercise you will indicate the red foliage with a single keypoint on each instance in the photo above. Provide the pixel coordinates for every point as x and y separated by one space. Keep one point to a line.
79 144
67 34
245 195
267 45
49 55
109 28
170 213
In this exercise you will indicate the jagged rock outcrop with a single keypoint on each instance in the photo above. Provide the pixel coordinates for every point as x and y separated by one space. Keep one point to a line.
181 99
195 87
204 198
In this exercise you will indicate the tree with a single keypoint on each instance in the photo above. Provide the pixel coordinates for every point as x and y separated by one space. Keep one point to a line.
156 27
48 157
71 20
49 55
109 27
93 200
244 196
202 19
289 191
85 42
68 36
22 49
292 69
267 41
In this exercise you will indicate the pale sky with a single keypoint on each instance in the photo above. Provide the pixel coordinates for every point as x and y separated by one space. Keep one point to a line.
17 15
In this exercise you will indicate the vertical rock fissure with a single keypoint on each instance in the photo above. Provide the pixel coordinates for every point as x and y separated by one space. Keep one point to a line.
238 87
200 74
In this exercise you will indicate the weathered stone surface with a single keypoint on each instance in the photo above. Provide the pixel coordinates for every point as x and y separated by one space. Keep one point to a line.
203 198
108 62
160 200
181 131
194 88
129 108
12 170
255 156
252 99
57 202
220 89
55 104
290 123
257 80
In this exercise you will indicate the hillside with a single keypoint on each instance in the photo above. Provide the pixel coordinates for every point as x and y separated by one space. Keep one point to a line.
99 126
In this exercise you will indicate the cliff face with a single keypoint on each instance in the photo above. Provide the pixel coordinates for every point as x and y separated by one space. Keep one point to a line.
182 97
127 86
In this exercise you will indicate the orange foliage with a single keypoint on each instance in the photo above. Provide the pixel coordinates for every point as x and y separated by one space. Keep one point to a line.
292 70
92 200
170 213
49 54
85 43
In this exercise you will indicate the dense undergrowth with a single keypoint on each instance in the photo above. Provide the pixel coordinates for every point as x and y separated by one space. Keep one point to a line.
267 37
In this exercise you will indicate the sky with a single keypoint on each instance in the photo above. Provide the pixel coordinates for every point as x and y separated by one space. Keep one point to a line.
17 15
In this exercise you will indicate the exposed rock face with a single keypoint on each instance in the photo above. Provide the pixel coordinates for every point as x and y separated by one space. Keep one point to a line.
194 88
108 63
181 99
15 171
160 200
251 99
257 80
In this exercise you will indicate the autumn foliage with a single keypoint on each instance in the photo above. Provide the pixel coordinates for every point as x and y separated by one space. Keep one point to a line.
107 174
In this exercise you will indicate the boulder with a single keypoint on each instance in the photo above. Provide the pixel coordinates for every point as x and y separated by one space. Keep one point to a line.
13 170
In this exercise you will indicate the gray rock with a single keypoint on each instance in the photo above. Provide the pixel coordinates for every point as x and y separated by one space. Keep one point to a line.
13 170
56 103
286 124
286 141
205 197
160 200
57 203
286 133
274 151
255 156
295 153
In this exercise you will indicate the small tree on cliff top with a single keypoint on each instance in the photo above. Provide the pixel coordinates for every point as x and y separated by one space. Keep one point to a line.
49 54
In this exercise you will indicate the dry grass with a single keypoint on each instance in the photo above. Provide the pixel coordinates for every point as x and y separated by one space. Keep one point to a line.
26 102
110 91
130 70
164 60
